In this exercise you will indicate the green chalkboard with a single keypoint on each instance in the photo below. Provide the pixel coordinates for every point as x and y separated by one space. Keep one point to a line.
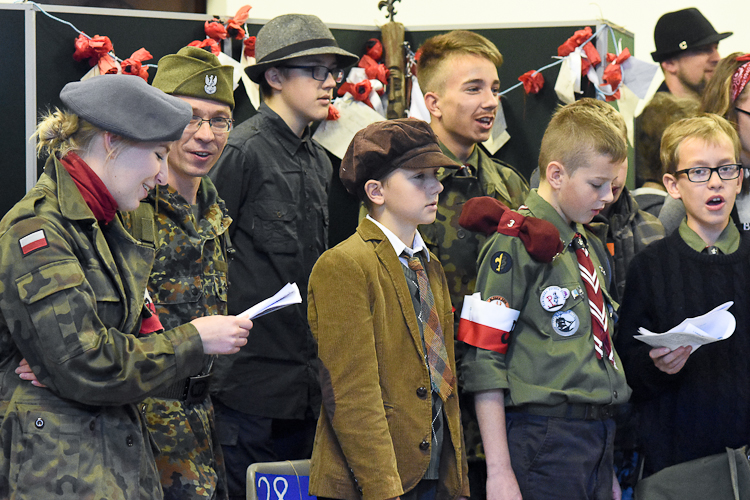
523 48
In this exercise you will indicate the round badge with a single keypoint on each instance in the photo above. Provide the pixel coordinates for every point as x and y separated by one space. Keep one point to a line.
553 298
565 323
499 301
501 262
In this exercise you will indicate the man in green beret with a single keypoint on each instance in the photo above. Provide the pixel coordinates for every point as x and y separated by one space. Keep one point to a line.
189 223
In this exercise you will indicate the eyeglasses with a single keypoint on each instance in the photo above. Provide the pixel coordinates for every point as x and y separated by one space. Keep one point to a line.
703 174
742 110
218 124
321 73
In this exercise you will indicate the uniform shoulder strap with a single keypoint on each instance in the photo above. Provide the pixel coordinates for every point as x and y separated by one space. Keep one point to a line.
143 227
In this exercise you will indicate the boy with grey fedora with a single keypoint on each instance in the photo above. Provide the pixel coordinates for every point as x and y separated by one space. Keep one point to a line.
275 183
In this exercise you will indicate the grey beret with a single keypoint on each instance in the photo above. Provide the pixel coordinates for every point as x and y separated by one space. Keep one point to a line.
128 106
294 35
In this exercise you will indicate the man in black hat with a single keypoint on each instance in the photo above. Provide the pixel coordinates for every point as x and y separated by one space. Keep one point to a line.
275 182
687 50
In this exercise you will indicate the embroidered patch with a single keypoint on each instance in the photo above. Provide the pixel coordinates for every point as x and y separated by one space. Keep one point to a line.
501 262
565 323
553 298
210 86
498 300
33 242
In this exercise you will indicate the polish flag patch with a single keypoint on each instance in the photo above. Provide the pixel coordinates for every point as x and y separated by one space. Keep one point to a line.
32 242
486 325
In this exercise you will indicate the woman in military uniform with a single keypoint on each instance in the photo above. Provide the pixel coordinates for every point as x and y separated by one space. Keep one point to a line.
73 301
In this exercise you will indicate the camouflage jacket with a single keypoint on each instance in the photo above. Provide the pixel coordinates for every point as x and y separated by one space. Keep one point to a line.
626 232
71 296
188 280
456 247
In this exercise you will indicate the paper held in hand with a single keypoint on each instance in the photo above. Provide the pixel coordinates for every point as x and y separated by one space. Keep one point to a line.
287 296
717 324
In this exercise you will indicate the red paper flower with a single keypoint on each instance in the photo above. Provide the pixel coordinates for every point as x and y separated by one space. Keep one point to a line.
242 14
133 65
574 41
208 44
234 29
249 44
333 113
592 55
214 29
373 70
360 91
533 81
234 25
612 75
374 49
92 49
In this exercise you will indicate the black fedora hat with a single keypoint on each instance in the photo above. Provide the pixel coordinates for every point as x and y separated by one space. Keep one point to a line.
682 30
294 35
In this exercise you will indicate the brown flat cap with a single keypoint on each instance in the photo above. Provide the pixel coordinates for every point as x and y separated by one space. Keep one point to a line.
382 147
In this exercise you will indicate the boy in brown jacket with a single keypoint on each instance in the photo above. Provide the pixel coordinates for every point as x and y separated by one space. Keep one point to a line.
380 310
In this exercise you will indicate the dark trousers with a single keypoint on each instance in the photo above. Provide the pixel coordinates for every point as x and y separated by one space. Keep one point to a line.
426 489
558 458
248 439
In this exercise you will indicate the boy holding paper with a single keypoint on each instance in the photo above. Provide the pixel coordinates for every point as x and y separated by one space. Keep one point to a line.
380 310
545 385
691 404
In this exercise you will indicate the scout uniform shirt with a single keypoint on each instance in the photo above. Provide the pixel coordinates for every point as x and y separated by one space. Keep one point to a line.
550 358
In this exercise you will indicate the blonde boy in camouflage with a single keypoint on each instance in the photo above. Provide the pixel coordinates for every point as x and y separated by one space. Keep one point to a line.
189 277
458 75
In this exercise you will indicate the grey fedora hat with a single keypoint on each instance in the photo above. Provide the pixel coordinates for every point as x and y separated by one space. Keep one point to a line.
294 35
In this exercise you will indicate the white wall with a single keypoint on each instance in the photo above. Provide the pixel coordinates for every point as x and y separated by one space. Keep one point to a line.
636 16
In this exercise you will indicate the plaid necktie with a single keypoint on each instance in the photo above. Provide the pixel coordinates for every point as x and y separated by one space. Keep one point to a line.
599 317
441 375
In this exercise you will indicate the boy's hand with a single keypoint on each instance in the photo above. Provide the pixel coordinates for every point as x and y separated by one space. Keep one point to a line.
503 487
669 361
616 490
24 373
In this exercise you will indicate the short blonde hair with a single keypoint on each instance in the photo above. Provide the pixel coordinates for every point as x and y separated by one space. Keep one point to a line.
580 130
707 126
432 69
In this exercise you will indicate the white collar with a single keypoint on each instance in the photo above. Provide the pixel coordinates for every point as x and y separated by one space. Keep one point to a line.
400 247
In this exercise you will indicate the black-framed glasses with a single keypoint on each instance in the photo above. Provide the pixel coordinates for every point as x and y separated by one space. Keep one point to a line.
321 73
742 111
703 174
218 124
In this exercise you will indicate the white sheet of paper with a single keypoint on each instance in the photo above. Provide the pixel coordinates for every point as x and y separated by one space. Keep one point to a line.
238 68
499 134
626 104
418 109
637 75
717 324
251 88
336 135
288 295
564 83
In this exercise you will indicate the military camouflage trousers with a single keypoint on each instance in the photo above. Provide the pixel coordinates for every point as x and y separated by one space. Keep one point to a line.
190 461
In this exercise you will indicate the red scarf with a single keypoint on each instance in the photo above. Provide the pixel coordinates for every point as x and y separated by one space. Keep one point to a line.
94 192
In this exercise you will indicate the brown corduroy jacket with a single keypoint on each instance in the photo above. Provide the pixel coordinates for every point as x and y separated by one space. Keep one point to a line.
374 431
